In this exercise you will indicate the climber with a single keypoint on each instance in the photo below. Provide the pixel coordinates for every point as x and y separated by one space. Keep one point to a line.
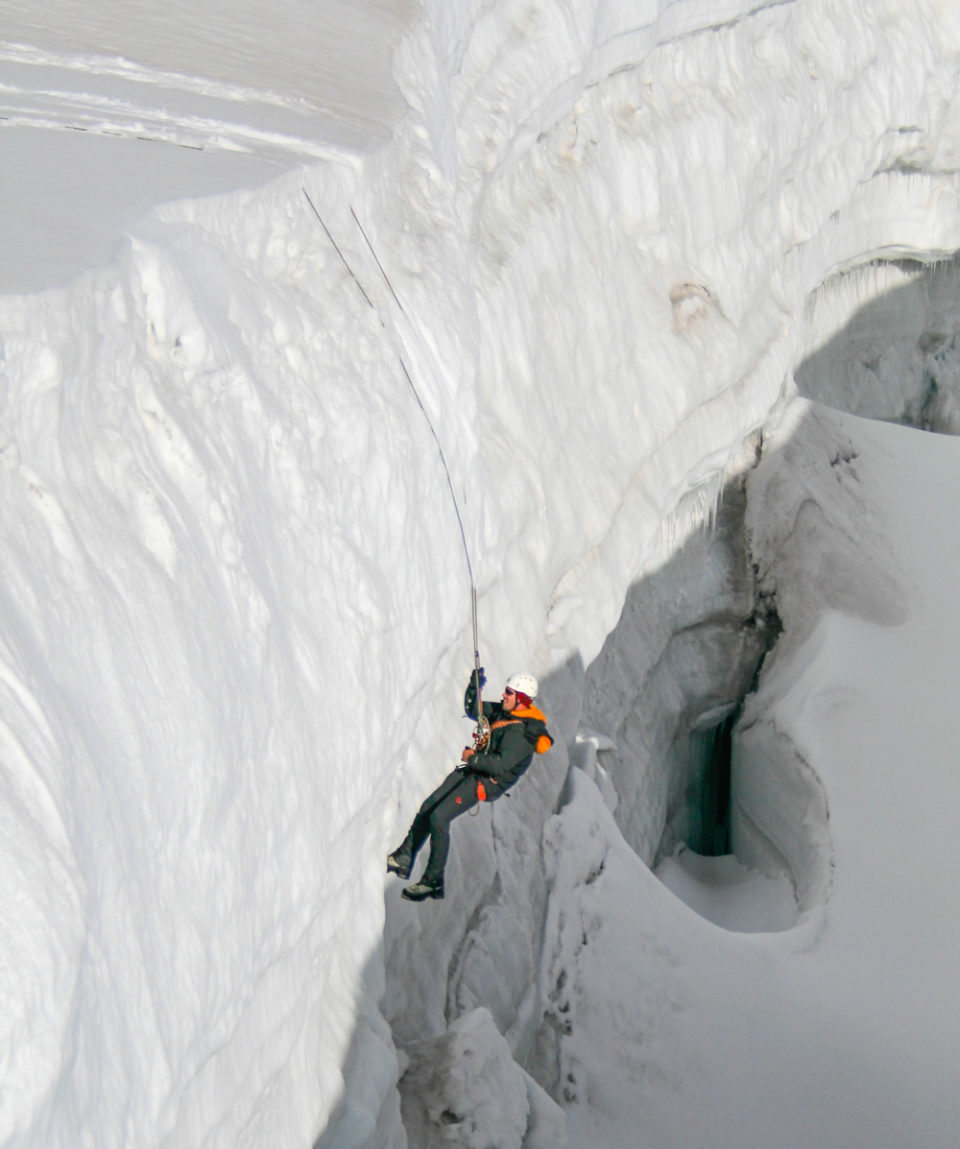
517 729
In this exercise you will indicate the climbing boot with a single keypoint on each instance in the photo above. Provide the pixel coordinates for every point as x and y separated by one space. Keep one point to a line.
420 891
399 863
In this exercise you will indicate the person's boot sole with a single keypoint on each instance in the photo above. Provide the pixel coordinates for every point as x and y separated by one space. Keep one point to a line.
420 893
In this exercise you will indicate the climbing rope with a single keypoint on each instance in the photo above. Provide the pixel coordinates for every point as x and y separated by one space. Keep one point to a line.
482 725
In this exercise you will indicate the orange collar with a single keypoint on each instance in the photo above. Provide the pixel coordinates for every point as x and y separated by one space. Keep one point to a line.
528 712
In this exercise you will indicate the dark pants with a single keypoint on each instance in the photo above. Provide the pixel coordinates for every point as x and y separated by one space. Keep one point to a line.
455 795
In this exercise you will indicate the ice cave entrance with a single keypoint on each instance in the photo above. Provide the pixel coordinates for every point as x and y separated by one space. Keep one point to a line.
708 801
665 693
703 871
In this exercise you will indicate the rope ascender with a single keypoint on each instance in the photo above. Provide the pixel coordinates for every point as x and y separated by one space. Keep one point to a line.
481 733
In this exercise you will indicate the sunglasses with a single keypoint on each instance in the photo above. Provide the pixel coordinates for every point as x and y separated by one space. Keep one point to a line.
509 690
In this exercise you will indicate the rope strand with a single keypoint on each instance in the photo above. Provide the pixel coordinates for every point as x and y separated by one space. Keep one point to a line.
416 395
336 248
377 258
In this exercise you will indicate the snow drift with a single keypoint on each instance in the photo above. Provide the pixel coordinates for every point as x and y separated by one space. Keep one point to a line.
234 614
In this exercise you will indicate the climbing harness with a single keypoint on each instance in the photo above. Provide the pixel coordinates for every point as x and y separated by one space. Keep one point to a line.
482 732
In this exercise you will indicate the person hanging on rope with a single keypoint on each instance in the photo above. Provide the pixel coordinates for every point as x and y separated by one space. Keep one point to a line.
510 732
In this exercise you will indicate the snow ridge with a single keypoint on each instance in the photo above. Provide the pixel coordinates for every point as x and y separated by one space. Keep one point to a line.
114 97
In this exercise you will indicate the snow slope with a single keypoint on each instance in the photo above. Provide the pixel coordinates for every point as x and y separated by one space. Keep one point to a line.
234 620
840 1030
110 109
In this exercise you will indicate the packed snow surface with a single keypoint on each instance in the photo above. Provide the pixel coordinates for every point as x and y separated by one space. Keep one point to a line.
109 109
834 1031
245 487
728 893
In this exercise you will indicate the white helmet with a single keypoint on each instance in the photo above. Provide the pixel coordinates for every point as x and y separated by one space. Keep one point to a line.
523 684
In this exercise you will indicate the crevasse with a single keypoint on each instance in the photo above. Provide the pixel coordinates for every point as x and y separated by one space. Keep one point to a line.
234 617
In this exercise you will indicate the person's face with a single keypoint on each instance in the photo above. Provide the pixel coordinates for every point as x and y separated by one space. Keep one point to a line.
509 700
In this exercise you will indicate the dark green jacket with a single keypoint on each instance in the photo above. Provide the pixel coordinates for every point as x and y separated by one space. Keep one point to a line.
511 747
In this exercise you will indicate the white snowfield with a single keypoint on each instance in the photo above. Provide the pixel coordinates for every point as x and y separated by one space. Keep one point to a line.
109 109
235 604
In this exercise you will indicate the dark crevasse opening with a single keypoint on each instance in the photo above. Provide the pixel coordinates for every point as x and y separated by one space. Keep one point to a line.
666 688
664 697
708 796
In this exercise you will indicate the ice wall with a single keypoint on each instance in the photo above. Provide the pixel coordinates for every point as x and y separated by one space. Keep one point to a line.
234 618
684 652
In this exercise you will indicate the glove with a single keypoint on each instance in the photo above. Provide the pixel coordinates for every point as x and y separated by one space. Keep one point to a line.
480 678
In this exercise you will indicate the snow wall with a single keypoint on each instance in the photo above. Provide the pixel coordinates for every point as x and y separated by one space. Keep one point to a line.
234 618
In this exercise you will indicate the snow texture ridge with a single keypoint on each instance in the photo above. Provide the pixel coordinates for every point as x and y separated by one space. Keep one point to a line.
234 613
